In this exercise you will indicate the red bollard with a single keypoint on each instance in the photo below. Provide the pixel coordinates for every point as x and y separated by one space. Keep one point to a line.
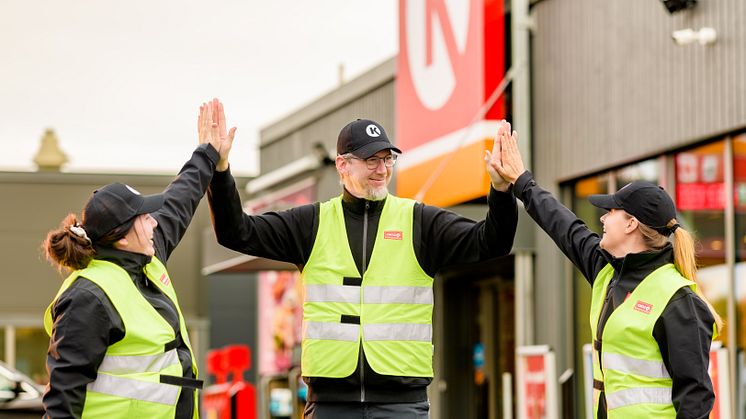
217 365
230 400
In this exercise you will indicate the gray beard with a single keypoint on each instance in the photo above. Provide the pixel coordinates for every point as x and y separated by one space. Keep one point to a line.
377 194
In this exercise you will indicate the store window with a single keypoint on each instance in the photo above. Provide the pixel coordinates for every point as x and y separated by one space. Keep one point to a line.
739 197
646 170
739 286
700 200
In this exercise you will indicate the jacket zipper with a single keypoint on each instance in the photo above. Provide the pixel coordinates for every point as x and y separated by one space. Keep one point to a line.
362 274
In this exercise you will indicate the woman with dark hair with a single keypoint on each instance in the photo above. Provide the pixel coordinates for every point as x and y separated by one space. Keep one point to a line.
652 326
119 346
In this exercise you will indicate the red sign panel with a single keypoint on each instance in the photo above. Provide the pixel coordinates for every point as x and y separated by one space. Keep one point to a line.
700 196
439 84
535 388
451 58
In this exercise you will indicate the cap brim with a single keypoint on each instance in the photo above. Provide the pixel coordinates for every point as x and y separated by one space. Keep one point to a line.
604 201
370 149
151 203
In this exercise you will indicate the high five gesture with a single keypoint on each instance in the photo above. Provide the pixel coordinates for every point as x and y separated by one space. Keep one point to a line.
212 129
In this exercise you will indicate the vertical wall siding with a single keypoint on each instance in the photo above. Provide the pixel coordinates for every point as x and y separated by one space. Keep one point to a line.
377 104
610 85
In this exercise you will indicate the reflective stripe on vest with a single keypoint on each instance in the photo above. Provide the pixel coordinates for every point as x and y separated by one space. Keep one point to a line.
331 331
629 365
332 293
639 395
132 364
135 389
398 295
371 332
398 331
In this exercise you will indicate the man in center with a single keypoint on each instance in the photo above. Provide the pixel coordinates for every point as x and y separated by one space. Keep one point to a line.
367 260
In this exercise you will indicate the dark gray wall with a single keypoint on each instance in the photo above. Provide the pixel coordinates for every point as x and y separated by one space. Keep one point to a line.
611 86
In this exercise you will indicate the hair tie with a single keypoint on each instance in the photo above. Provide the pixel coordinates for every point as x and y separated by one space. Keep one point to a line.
79 231
674 227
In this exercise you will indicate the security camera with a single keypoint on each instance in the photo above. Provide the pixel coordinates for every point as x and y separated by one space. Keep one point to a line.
684 36
707 36
688 36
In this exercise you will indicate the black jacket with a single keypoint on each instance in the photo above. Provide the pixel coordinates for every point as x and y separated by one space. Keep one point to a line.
684 330
441 238
85 321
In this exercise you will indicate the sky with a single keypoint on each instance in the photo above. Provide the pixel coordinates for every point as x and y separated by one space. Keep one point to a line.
120 82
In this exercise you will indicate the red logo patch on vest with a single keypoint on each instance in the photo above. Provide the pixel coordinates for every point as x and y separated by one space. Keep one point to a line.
392 235
165 279
643 307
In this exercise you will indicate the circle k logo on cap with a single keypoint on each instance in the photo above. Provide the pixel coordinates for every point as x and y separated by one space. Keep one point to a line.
133 190
373 131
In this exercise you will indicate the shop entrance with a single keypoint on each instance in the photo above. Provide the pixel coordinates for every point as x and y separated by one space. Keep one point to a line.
478 339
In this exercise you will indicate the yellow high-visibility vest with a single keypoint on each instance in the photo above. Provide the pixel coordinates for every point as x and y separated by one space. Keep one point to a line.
635 380
388 308
128 383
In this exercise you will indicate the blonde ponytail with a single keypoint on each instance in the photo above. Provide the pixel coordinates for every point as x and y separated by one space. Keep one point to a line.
686 263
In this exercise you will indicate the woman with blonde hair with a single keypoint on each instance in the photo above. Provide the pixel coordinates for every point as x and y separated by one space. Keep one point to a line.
652 326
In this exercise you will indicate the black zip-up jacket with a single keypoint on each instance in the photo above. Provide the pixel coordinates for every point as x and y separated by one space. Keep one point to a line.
684 330
85 321
441 238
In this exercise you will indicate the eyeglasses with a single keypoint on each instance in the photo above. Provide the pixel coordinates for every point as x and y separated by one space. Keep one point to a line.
373 162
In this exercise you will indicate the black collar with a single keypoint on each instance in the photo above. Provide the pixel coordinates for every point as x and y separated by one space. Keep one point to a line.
357 205
648 259
133 263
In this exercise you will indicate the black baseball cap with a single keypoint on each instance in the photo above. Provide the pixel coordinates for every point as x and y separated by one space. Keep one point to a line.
113 205
646 201
363 138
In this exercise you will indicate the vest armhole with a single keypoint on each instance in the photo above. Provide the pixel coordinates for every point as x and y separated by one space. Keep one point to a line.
316 215
417 241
